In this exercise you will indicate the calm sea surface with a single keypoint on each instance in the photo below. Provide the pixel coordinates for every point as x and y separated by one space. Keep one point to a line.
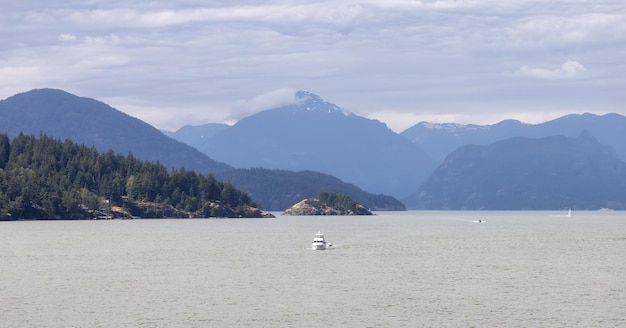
399 269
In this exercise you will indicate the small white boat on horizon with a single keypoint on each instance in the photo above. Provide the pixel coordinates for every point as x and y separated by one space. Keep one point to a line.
319 243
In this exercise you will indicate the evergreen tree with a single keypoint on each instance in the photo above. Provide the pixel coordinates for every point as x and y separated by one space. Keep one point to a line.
5 146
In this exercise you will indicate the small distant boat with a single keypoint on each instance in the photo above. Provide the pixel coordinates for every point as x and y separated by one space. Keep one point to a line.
569 213
319 243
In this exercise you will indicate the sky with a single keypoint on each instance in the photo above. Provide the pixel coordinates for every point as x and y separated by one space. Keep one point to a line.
172 63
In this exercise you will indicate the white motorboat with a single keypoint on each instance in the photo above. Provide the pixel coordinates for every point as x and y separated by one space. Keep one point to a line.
319 243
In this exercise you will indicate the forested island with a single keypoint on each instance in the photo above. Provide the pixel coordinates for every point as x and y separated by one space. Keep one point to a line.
328 203
45 178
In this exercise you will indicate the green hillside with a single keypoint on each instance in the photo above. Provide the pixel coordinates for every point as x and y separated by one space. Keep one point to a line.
45 178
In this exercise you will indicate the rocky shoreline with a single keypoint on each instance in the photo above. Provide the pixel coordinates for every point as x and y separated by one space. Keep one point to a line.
312 206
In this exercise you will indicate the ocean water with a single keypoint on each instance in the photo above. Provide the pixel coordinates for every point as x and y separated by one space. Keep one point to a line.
398 269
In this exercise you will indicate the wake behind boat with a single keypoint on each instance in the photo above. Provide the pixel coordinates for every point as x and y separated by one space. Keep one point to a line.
566 215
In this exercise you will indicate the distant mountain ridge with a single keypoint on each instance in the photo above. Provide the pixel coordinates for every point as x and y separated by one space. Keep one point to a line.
521 173
87 121
316 135
196 136
280 189
440 139
291 149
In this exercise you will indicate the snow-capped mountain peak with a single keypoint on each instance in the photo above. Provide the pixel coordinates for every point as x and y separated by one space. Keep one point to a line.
312 102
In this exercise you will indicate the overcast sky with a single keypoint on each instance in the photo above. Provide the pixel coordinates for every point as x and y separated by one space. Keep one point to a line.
172 63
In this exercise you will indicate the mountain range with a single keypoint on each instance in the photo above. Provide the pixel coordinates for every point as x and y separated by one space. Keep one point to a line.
519 173
440 139
313 134
62 115
283 155
316 135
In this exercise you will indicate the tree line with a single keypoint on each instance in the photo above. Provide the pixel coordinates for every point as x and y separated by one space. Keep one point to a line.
341 202
42 177
278 189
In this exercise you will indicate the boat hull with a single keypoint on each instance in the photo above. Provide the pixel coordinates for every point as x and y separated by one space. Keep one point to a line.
318 247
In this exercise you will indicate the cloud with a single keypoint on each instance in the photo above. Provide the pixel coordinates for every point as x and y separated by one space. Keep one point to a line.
67 37
163 115
108 39
278 16
570 69
395 59
268 100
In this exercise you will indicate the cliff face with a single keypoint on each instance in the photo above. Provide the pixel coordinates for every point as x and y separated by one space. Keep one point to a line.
312 206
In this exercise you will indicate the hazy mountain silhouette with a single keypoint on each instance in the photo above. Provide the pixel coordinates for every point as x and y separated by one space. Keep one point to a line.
312 134
280 189
196 136
62 115
520 173
438 140
87 121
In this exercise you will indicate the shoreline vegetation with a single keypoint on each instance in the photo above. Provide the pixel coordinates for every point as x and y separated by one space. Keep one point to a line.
328 203
48 179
